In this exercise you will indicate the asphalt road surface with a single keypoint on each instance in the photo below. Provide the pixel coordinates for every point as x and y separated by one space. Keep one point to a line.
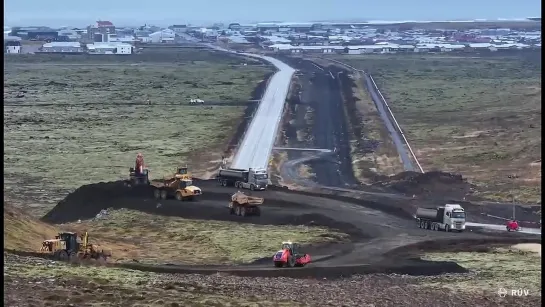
320 90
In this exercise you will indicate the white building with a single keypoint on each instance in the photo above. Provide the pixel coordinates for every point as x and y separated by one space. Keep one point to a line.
163 36
13 49
62 47
109 48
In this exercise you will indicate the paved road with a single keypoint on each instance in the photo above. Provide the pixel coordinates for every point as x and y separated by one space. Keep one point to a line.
256 146
258 141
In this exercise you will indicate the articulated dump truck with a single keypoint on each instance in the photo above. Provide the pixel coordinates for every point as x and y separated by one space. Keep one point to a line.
244 205
179 186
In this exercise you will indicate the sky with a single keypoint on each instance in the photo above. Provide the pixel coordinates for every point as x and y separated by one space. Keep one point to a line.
167 12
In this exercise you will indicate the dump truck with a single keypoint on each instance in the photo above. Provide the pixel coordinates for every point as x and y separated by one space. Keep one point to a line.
68 246
253 178
179 186
244 205
450 217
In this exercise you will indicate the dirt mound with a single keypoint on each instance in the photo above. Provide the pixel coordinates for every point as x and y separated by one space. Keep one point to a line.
23 232
435 183
88 200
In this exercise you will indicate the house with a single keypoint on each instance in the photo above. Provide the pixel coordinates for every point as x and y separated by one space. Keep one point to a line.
100 30
62 47
109 48
12 47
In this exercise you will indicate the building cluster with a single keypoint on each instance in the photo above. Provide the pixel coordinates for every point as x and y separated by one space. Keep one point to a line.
356 38
103 37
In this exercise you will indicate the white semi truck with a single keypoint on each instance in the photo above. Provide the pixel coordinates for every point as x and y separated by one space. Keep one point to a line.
450 217
253 178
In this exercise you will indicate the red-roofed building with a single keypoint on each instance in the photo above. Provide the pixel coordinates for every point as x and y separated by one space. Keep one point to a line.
104 24
100 30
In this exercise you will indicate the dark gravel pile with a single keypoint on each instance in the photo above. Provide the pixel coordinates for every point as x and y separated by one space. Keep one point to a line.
435 184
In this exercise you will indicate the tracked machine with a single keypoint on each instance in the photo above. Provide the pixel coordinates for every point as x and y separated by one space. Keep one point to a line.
68 246
139 174
244 205
180 186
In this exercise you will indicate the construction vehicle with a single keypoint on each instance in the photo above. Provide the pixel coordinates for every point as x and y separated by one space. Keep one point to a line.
512 225
448 217
179 186
139 174
290 256
244 205
253 178
68 246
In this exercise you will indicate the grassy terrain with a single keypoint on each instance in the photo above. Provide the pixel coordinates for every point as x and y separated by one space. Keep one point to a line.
177 240
160 239
64 116
507 268
480 116
36 282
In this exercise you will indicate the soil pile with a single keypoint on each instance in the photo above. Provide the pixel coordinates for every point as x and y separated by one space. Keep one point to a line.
434 184
23 232
88 200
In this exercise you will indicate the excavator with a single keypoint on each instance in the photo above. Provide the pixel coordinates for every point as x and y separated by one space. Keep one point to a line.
139 174
68 246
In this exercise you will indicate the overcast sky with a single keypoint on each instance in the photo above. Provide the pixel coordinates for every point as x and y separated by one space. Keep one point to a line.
166 12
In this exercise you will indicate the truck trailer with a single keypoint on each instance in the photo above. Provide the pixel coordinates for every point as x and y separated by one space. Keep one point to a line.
447 218
253 178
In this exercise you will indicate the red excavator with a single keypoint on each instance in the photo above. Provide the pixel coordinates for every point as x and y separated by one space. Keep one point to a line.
139 174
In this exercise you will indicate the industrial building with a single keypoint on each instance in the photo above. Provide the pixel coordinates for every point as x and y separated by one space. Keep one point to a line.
100 30
163 36
110 48
62 47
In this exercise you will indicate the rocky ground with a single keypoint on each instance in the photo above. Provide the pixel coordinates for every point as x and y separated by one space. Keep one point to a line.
37 282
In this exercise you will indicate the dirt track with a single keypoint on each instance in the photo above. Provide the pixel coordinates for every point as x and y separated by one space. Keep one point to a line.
373 232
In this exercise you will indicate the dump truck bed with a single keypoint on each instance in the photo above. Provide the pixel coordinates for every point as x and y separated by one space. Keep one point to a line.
162 183
245 200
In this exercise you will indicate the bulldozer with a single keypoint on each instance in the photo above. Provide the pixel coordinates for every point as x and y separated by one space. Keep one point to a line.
68 246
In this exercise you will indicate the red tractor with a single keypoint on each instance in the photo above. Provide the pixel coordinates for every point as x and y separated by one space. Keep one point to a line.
289 256
512 225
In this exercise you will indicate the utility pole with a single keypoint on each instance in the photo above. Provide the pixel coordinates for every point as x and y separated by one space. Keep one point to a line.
514 208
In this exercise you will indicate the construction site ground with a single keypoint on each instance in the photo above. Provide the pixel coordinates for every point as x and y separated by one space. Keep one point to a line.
69 114
366 247
378 245
458 115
